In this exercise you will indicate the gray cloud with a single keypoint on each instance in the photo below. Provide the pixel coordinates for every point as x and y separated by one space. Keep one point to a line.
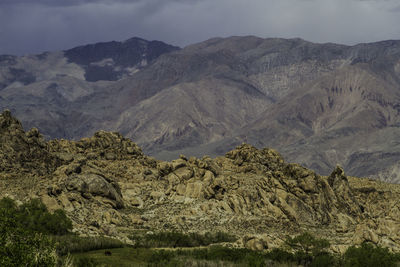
32 26
396 9
61 2
66 3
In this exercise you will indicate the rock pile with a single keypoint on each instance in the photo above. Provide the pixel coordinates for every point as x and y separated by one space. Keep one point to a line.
23 152
108 186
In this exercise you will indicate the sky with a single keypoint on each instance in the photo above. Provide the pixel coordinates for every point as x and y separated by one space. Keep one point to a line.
35 26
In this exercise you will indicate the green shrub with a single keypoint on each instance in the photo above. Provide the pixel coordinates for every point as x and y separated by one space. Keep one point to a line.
85 262
368 255
307 244
34 215
255 260
176 239
161 257
23 249
308 249
280 255
219 253
18 245
73 243
324 260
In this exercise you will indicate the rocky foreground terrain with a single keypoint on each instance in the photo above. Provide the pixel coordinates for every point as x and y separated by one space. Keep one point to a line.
108 186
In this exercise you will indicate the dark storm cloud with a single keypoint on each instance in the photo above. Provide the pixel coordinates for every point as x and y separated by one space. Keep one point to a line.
66 3
61 2
31 26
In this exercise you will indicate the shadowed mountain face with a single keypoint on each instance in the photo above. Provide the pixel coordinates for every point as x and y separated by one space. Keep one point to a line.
113 60
320 104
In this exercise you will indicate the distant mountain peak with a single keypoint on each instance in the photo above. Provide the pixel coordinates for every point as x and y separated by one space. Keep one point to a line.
126 56
135 40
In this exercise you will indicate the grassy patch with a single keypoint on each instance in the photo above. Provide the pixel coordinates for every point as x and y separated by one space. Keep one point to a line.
120 257
123 257
73 243
207 257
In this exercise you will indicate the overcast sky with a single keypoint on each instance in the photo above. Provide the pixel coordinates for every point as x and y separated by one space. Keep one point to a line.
33 26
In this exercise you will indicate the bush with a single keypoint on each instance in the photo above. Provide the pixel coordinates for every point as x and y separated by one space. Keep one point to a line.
27 250
20 246
309 250
85 262
307 244
176 239
324 259
73 243
219 253
368 255
280 255
34 215
161 257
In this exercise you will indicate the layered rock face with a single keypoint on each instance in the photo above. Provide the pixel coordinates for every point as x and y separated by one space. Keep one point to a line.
108 186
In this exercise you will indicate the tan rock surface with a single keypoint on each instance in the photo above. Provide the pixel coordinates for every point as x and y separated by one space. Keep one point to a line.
251 193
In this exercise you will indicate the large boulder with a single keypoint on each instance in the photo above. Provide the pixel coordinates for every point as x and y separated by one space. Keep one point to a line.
254 243
96 185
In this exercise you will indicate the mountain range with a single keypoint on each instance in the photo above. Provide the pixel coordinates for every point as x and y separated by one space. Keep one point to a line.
318 104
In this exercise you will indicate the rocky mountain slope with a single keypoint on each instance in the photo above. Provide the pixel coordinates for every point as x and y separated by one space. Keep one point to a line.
108 186
319 104
50 90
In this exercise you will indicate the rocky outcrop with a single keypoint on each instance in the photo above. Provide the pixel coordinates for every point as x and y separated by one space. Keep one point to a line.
95 185
343 193
103 145
24 151
108 186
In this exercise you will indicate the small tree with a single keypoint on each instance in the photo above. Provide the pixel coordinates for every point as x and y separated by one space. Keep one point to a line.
309 250
33 215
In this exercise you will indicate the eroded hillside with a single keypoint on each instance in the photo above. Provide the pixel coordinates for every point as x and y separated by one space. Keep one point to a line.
318 104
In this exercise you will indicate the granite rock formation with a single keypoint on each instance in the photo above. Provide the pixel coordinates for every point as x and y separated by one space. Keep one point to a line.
108 186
